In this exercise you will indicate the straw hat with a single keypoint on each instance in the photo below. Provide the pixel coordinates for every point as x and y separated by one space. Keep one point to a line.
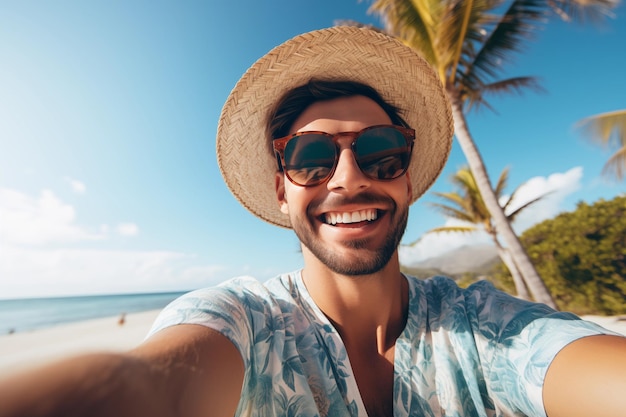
397 72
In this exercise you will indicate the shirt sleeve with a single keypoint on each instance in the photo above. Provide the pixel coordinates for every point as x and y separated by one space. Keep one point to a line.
524 338
529 356
221 308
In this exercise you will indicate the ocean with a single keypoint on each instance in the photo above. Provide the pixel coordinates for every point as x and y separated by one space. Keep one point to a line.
20 315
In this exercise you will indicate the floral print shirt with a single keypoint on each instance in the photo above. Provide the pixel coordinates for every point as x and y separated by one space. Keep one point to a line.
463 352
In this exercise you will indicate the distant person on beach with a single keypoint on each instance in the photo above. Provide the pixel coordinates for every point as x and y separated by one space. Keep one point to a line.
334 134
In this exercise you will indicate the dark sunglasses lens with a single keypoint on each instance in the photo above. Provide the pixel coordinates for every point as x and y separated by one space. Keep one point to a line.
382 153
309 158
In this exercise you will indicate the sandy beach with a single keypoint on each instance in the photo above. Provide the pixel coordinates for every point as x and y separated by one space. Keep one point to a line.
22 350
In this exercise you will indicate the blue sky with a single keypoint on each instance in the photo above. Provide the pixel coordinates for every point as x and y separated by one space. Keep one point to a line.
108 113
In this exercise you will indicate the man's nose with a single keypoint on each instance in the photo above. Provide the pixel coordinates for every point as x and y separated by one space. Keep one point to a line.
348 177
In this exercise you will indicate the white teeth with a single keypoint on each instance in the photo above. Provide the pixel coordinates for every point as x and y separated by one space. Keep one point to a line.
351 217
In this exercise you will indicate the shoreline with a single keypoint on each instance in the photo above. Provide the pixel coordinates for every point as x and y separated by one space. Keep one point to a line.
23 350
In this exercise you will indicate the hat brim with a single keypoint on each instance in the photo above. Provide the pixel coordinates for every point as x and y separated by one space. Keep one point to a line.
397 72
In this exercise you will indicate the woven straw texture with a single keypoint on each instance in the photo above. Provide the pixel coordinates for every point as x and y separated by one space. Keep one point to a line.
401 76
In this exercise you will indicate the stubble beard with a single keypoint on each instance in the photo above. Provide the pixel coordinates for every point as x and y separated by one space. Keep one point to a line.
367 261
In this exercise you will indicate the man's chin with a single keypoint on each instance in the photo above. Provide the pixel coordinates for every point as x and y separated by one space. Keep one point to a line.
354 256
353 261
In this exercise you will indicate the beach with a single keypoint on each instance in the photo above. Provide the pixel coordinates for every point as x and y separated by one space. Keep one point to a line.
28 349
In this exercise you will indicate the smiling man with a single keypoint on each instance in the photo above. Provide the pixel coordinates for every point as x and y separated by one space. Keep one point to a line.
334 134
349 221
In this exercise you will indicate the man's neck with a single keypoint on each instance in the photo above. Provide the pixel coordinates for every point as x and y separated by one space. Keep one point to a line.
365 309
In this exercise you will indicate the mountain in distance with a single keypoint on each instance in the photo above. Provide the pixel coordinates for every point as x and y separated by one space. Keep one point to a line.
473 259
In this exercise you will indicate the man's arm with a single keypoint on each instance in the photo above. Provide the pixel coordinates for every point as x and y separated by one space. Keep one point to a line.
185 370
588 378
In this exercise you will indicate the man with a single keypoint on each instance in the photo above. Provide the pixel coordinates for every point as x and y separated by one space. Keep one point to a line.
334 134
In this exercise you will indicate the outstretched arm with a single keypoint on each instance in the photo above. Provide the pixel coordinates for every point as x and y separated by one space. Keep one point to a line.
185 370
588 378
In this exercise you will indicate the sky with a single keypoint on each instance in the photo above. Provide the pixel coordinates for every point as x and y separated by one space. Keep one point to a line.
108 113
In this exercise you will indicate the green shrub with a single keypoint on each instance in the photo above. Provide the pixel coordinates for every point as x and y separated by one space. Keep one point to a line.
581 256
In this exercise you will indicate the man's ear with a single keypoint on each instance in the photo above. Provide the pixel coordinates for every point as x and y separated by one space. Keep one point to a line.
409 186
279 184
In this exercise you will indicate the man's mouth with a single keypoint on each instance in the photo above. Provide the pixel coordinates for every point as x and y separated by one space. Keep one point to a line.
349 217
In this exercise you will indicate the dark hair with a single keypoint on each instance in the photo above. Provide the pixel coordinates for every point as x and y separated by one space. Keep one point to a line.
294 102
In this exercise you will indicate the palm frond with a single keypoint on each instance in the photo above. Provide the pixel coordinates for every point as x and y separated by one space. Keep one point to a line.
515 84
503 179
518 24
452 197
473 202
412 22
608 130
616 165
453 212
350 22
453 229
464 180
593 11
511 29
466 203
511 216
605 128
456 28
476 98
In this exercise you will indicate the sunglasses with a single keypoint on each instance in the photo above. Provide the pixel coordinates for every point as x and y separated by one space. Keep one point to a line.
382 152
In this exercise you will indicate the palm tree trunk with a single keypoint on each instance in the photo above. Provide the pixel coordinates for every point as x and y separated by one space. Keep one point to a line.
518 280
534 282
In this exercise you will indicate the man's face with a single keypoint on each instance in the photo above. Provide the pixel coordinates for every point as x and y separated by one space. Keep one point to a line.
354 245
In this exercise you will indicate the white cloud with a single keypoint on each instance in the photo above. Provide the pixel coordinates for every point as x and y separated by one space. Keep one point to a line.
77 186
27 269
127 229
30 268
39 220
558 185
28 272
197 276
435 244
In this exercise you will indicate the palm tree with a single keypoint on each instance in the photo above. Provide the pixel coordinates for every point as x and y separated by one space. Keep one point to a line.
609 129
466 204
466 41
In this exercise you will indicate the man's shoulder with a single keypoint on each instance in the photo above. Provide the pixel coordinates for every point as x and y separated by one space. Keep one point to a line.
441 295
230 304
245 287
448 286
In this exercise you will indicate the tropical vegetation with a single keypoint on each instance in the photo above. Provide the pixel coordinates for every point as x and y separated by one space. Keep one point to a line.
581 256
467 205
467 42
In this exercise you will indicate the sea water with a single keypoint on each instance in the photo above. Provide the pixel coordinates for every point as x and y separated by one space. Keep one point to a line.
21 315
